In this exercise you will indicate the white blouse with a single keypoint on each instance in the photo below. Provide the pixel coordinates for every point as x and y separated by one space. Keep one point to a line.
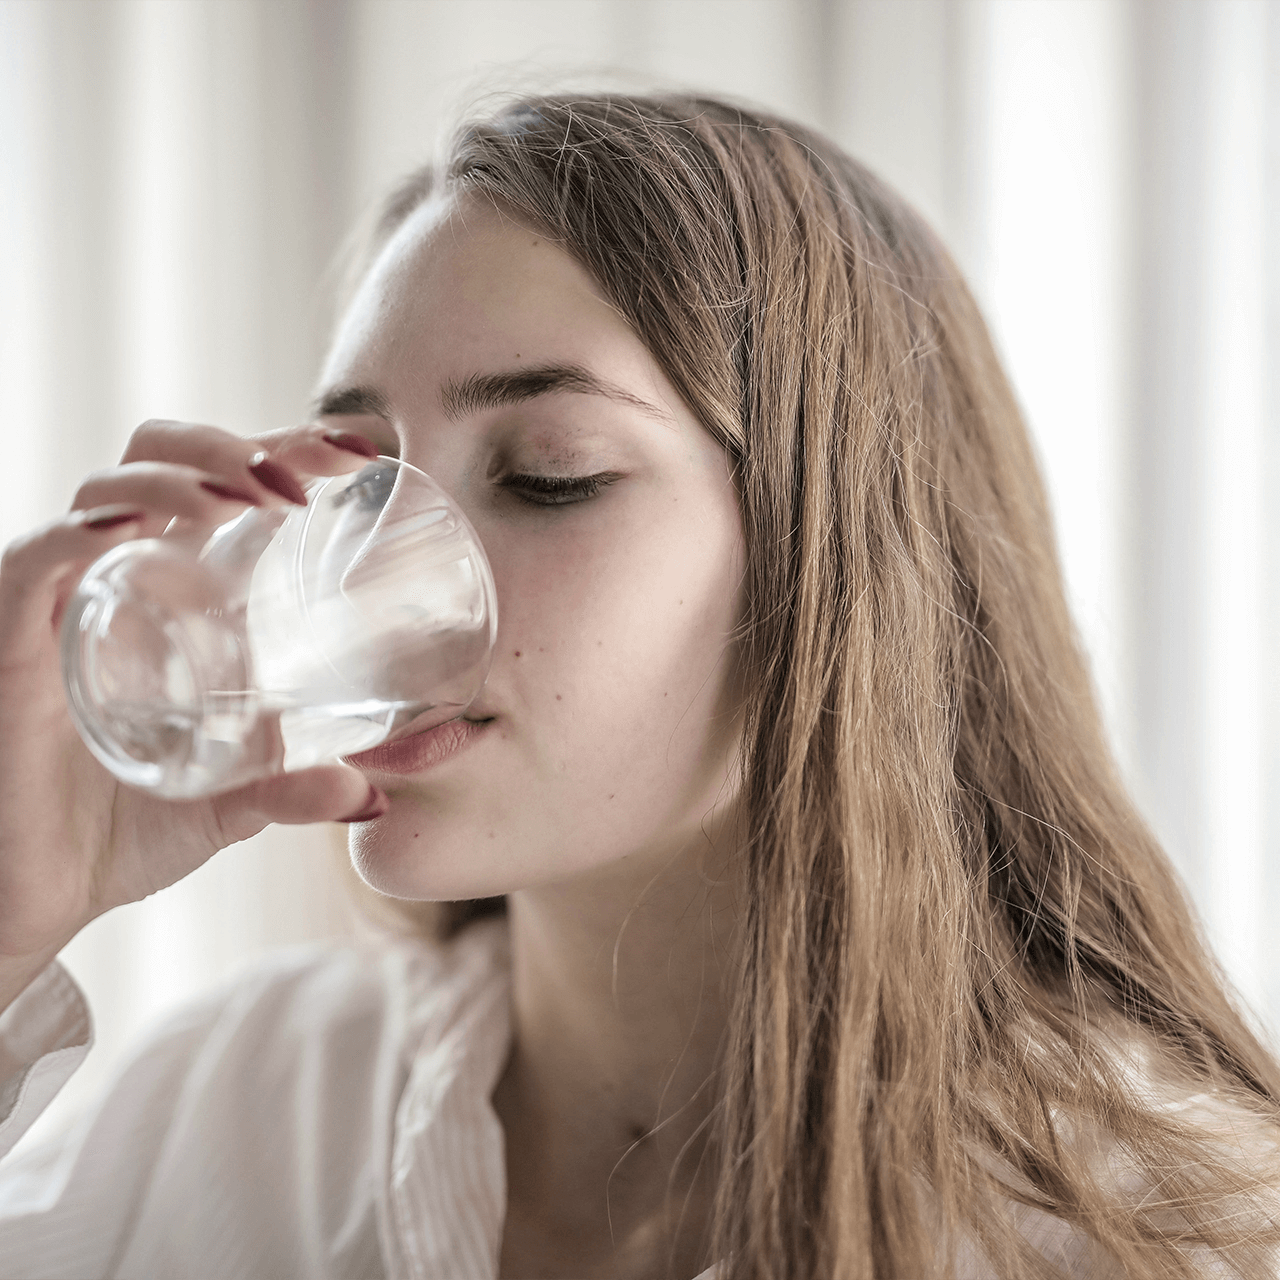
326 1118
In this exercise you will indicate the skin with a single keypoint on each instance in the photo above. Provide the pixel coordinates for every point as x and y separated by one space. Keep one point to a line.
601 793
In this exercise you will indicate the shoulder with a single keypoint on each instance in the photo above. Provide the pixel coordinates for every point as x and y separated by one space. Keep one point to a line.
308 1022
302 1058
1147 1158
353 999
268 1103
1194 1161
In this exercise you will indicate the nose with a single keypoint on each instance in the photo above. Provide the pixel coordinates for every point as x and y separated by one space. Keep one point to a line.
398 538
408 575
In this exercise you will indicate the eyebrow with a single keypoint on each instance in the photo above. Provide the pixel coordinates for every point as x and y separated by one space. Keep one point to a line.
493 390
488 391
352 400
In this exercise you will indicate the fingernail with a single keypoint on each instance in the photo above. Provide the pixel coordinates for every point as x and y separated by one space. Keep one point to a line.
227 492
375 805
352 443
271 475
111 521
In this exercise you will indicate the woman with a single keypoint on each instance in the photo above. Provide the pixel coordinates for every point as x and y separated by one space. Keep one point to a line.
833 947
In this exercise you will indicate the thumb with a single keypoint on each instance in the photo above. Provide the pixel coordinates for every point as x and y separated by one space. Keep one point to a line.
327 793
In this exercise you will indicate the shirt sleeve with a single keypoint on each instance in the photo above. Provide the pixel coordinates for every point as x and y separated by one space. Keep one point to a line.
44 1036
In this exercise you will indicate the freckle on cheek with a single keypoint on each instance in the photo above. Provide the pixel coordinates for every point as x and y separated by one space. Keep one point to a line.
557 697
517 653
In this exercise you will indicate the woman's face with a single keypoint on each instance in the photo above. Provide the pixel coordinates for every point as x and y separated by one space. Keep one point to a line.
488 357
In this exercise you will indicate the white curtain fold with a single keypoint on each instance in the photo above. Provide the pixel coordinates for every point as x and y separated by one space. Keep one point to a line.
180 175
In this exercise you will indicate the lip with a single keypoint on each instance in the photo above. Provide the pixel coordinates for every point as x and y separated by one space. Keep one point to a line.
420 751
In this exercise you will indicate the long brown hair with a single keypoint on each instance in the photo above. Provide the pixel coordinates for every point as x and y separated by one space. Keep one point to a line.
958 936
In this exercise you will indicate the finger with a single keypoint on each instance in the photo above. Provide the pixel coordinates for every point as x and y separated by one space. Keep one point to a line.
36 569
240 465
327 793
191 444
165 490
317 450
310 449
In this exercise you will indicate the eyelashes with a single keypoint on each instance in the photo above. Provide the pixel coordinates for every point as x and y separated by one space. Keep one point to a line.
372 486
557 491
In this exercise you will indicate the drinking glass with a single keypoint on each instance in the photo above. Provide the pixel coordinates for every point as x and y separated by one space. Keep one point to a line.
201 660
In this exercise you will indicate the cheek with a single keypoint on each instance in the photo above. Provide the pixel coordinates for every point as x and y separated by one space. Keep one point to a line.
619 647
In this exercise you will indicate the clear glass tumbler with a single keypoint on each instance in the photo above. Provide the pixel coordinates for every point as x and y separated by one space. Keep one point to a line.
201 660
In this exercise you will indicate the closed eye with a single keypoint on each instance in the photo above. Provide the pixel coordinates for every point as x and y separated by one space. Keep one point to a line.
557 491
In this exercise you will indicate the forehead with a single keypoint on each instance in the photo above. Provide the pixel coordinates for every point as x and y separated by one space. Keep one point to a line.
461 288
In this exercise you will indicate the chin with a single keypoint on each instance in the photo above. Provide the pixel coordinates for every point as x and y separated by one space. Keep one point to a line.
422 860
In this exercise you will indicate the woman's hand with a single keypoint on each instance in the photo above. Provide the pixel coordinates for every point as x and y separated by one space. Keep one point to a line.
74 842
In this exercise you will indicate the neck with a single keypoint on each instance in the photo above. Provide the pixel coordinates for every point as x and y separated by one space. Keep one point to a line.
620 1002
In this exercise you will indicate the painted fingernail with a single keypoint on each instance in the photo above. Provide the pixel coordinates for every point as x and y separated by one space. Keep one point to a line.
375 805
112 521
352 443
227 492
271 475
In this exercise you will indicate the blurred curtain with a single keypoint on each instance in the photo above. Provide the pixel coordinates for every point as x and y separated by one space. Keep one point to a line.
179 175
